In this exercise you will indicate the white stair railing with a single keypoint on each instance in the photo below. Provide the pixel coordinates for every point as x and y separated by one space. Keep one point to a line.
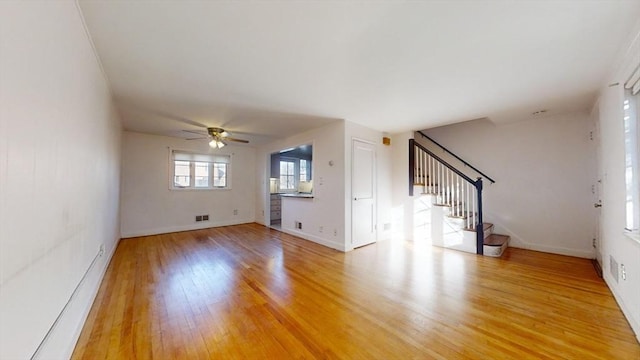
451 187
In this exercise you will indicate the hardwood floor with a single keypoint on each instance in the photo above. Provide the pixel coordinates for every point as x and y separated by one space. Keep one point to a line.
250 292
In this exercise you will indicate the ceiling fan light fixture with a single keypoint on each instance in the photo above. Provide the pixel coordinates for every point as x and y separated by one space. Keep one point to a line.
217 143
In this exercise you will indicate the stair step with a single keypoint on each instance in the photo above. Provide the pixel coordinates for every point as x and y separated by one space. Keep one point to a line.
431 190
446 204
485 227
496 240
495 245
463 215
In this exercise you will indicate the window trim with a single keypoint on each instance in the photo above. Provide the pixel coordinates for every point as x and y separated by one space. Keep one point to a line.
197 157
296 172
631 111
631 161
307 169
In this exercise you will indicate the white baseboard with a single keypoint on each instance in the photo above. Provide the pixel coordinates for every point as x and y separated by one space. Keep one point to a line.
197 226
62 339
635 326
552 249
315 239
520 243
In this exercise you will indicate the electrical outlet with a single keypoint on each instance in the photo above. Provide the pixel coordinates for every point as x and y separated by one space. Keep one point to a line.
320 229
205 217
335 232
235 211
198 217
623 272
101 252
593 243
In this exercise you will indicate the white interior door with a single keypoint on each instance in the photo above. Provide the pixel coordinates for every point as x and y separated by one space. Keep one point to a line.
363 191
597 187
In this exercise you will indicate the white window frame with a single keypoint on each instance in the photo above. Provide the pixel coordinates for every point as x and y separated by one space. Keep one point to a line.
297 165
295 174
306 167
631 126
193 158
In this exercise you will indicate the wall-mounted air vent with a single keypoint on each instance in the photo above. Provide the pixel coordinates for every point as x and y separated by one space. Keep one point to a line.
613 268
202 217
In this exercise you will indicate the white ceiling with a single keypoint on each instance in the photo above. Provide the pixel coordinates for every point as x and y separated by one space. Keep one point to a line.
266 69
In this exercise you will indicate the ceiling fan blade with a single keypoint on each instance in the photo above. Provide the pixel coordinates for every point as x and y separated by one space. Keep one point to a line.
203 133
176 118
200 138
236 140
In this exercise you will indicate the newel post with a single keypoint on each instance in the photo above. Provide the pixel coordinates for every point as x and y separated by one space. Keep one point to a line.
480 225
412 165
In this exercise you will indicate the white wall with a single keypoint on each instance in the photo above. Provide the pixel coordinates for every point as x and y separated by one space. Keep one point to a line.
326 209
149 207
613 242
544 170
402 205
59 177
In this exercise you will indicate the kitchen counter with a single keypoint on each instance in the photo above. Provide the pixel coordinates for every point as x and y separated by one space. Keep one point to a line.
297 195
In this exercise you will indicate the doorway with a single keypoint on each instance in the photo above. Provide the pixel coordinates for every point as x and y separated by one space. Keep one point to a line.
290 173
363 193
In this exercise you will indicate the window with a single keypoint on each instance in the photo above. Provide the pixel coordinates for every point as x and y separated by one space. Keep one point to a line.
182 174
202 174
287 175
632 179
199 171
219 174
631 121
304 171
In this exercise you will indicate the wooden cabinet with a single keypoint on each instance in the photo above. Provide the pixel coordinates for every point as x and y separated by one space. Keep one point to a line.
276 208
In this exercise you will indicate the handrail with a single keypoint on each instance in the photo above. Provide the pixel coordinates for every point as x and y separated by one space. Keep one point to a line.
449 166
457 157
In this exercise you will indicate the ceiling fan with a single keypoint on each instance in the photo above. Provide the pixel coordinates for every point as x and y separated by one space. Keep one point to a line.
218 137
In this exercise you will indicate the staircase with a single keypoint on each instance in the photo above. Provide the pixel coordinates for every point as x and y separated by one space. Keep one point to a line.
456 201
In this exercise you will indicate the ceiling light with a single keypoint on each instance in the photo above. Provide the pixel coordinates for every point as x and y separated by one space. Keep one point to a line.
217 143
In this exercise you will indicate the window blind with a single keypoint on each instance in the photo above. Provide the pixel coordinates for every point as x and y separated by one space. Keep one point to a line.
181 155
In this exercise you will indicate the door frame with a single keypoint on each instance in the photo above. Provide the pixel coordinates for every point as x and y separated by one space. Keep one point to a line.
597 189
375 190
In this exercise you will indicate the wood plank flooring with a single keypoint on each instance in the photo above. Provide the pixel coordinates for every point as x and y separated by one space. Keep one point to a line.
249 292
